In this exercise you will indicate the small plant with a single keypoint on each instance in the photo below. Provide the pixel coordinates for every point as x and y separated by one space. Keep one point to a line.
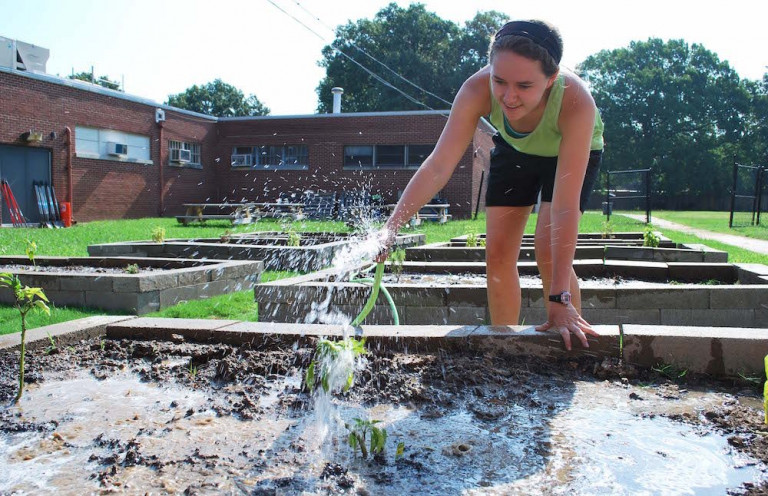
607 232
400 450
328 352
294 238
192 371
131 269
670 371
765 391
102 343
158 234
397 258
650 238
27 299
471 240
226 237
482 242
358 432
52 348
31 250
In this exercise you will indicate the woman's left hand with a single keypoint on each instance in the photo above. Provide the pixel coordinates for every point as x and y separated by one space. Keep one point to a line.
565 319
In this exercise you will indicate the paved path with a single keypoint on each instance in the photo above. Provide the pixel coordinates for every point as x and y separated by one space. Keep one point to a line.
751 244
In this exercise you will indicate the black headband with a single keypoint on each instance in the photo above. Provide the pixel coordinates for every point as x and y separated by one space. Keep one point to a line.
541 35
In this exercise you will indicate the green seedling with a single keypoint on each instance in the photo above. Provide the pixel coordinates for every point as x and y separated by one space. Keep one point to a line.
650 238
396 259
481 242
358 432
131 269
328 352
400 450
670 371
102 343
31 250
607 232
192 372
52 348
294 238
765 391
471 240
158 234
26 299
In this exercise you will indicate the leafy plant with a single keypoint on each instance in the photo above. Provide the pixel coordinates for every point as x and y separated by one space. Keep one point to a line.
650 238
607 232
158 234
397 258
31 250
670 371
294 238
27 299
192 371
358 432
400 450
481 242
131 269
471 240
327 353
52 348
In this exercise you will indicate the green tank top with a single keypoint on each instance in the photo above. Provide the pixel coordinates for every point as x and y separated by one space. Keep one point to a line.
544 141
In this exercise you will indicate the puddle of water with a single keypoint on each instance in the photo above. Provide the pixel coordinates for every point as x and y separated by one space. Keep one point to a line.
600 442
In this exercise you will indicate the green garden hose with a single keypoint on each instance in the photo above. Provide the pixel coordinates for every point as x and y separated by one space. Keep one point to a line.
376 281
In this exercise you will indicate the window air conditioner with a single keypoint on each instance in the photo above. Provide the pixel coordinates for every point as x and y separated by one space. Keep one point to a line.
117 149
242 160
181 156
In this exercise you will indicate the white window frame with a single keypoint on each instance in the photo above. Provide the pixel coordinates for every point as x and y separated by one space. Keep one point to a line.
95 143
195 153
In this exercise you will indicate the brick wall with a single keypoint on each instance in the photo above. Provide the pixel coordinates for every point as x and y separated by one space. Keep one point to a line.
326 136
110 189
104 189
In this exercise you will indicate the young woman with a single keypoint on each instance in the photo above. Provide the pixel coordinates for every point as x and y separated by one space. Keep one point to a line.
549 141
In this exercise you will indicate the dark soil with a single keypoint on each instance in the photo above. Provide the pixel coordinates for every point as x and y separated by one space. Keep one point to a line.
234 377
80 269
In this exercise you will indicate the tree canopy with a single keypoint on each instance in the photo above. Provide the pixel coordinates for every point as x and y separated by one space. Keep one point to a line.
673 107
435 55
218 99
102 81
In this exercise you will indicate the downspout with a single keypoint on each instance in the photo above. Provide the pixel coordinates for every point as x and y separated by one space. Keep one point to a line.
161 203
70 181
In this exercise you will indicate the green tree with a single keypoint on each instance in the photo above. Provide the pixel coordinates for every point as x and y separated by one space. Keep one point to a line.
219 99
675 108
434 54
101 81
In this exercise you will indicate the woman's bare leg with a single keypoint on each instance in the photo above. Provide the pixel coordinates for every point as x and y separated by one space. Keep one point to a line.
504 233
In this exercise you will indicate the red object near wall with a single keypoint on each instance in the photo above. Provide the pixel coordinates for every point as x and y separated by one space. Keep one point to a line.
66 213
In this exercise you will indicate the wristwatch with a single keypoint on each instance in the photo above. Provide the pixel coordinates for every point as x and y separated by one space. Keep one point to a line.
564 298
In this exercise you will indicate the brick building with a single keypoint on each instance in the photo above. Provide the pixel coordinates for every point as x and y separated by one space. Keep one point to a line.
113 155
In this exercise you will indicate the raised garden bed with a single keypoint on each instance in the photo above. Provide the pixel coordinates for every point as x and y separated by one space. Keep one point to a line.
174 415
623 246
315 251
730 295
108 282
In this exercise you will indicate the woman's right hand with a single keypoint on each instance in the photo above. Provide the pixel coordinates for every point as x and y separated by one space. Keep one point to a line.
385 238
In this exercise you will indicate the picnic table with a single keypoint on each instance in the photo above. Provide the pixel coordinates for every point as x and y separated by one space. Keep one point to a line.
239 213
431 211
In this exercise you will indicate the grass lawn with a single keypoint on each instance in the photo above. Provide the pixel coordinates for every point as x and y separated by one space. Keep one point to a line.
717 222
240 305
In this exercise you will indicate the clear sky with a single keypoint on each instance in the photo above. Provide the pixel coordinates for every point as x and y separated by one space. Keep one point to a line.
162 47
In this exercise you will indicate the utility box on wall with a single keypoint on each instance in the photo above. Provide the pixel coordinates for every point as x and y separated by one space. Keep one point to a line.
22 56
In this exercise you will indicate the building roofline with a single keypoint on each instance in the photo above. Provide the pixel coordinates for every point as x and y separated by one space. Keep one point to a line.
339 115
94 88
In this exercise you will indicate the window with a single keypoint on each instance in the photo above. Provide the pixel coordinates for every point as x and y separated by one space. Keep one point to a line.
418 153
358 156
182 153
390 156
271 157
385 156
108 144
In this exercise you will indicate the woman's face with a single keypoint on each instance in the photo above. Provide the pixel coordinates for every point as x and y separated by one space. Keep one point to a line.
519 84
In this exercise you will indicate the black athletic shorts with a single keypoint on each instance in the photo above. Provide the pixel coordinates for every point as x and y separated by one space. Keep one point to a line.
516 178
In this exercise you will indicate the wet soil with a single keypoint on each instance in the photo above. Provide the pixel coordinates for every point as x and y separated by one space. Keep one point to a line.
526 281
233 382
79 269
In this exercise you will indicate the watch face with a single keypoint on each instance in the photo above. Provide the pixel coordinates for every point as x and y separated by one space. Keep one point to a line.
565 297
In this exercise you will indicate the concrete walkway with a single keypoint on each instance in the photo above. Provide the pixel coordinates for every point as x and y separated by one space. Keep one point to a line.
751 244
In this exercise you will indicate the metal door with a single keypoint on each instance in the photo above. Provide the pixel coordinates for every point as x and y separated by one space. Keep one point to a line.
22 166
